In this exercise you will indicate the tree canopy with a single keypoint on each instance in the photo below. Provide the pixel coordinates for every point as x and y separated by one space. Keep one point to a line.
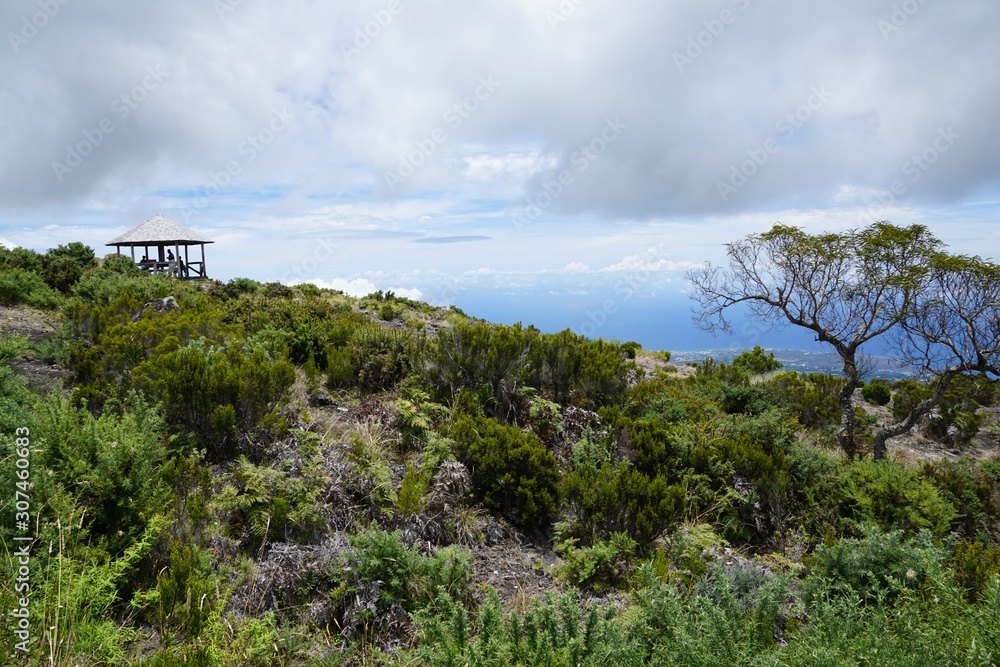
938 310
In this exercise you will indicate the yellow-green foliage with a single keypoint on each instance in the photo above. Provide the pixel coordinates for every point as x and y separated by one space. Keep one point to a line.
891 496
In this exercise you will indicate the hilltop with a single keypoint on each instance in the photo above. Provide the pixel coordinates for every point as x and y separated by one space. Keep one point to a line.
260 474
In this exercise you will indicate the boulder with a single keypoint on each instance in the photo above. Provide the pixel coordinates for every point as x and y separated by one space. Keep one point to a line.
164 305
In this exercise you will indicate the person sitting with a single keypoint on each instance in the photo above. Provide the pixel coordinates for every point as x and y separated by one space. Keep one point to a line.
170 255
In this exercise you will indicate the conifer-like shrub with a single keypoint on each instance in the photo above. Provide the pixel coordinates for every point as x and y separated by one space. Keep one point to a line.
877 392
18 286
512 472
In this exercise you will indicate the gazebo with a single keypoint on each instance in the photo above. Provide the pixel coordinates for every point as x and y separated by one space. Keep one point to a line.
161 233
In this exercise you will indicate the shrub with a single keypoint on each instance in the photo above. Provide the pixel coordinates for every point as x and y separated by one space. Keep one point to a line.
876 567
18 286
121 264
811 397
340 369
225 396
975 565
616 498
603 565
751 399
381 357
472 355
877 392
756 361
512 472
891 496
264 504
112 465
64 265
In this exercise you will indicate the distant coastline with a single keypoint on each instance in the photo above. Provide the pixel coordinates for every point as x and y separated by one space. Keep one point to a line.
805 361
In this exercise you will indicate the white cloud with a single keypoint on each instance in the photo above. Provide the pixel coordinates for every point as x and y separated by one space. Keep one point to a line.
575 267
9 245
359 287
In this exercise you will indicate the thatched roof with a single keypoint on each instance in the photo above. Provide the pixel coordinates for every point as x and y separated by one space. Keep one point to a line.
158 230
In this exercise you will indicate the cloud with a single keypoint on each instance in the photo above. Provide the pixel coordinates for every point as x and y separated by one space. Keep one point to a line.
359 287
451 239
575 267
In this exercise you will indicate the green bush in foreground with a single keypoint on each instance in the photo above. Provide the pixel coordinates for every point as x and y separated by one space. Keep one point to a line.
512 472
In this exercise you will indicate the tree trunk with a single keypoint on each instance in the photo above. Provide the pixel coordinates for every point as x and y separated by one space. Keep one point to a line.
921 409
848 441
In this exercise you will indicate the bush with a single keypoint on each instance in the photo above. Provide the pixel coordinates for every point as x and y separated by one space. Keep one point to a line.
877 392
812 397
955 419
64 265
113 466
876 567
893 497
121 264
616 498
225 396
472 355
975 566
512 472
604 565
18 286
751 399
756 361
381 357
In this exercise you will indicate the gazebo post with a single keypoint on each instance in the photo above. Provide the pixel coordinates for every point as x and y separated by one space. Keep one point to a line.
166 237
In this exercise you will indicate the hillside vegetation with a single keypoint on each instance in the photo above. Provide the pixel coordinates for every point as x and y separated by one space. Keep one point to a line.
275 475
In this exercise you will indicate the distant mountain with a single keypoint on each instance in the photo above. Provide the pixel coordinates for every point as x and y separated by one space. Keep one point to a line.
805 362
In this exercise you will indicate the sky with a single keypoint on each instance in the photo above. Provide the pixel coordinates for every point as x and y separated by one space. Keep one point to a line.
556 161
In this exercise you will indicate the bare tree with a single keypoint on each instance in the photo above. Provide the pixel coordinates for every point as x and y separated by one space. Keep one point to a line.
846 288
953 329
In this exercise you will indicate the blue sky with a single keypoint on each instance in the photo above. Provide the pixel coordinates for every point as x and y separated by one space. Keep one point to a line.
542 156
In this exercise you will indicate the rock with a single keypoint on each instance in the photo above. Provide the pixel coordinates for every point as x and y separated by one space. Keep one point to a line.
164 305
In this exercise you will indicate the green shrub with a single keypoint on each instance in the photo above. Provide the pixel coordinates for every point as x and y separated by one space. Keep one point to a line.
340 369
617 498
262 503
512 472
974 494
975 565
811 397
18 286
21 258
603 565
407 577
876 567
877 392
224 396
893 497
112 465
756 361
955 419
381 357
63 265
472 355
751 399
